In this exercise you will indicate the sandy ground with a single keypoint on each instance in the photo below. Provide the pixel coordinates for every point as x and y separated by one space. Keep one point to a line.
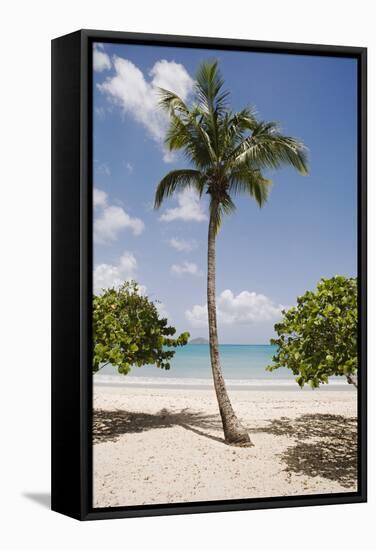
166 445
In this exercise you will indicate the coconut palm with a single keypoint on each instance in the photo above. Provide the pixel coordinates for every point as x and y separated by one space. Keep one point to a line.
227 152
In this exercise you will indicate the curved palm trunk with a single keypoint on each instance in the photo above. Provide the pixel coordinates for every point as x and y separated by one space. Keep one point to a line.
234 432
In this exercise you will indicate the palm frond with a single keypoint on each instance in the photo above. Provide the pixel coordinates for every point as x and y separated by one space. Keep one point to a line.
232 129
190 136
219 208
171 103
227 205
244 120
268 148
209 84
212 100
244 179
177 180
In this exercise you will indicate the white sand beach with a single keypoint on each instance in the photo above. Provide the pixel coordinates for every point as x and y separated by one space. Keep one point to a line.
156 445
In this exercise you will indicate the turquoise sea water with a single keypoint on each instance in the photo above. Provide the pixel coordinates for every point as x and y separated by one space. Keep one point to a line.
242 365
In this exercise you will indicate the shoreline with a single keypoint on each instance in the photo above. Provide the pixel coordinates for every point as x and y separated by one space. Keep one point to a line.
207 384
165 445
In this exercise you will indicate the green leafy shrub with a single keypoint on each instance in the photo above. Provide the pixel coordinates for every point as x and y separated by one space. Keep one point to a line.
318 337
127 331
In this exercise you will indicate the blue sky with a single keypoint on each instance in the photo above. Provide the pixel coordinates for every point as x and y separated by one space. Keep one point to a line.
265 257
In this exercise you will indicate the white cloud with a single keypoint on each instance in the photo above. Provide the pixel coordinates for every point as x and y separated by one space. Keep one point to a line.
110 219
101 61
197 316
162 311
181 245
112 276
129 167
171 76
99 198
186 267
245 308
138 96
190 208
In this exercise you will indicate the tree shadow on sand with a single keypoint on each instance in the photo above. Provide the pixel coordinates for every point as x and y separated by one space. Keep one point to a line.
110 425
326 446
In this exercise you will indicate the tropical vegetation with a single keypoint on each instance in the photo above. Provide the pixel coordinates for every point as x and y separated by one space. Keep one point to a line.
317 338
227 154
128 331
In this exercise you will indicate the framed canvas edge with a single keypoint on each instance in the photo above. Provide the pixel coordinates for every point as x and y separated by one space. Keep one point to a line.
222 43
87 512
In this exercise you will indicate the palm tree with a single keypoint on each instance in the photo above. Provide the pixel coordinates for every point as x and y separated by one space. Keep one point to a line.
227 152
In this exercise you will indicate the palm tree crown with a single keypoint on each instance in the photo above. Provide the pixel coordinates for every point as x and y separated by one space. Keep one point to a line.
228 150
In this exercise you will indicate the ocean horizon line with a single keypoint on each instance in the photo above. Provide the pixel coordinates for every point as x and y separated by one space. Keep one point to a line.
226 344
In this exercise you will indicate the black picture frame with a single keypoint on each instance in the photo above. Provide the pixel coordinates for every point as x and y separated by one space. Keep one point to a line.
72 269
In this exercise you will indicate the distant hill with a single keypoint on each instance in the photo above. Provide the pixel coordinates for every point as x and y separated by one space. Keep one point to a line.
198 341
